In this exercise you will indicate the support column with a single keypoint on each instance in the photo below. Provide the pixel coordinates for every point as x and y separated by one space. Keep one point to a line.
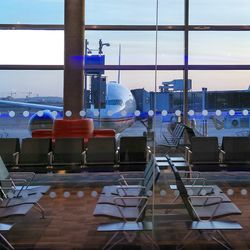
185 92
74 28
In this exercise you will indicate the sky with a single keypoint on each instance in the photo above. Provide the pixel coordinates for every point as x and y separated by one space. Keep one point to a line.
46 47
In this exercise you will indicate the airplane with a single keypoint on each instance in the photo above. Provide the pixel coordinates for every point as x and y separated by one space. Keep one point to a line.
118 113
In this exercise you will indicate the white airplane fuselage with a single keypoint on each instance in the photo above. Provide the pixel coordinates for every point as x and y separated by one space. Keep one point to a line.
117 114
119 111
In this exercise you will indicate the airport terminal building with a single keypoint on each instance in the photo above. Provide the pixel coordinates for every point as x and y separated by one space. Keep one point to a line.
124 124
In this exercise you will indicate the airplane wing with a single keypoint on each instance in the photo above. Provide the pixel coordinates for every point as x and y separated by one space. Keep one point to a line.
31 105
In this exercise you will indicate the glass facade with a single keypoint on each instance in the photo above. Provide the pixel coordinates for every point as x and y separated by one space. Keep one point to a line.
30 12
219 48
31 47
214 12
165 80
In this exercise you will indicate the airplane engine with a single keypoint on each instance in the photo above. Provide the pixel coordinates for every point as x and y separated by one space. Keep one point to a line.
41 120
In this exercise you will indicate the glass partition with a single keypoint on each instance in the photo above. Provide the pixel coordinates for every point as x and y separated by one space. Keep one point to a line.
149 82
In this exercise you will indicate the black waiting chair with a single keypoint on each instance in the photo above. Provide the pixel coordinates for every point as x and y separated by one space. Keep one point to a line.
204 154
100 154
133 153
35 152
68 151
236 153
9 149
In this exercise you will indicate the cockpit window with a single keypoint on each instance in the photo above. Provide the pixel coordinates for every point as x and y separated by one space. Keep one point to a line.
115 102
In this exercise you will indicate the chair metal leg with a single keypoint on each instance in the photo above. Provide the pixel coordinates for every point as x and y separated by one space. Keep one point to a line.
224 238
40 209
181 245
115 243
151 240
128 237
209 236
223 242
110 240
5 243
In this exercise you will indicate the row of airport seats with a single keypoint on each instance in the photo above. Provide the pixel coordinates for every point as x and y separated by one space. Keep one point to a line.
205 154
98 154
129 204
19 195
74 128
207 207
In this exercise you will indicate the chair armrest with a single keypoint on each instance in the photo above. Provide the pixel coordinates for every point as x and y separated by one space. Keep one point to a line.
133 178
187 148
125 180
222 151
50 157
16 157
206 198
117 154
222 155
130 187
22 182
203 180
23 175
141 198
32 174
125 188
187 154
149 153
4 195
84 156
129 198
11 180
122 179
7 184
190 172
190 153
